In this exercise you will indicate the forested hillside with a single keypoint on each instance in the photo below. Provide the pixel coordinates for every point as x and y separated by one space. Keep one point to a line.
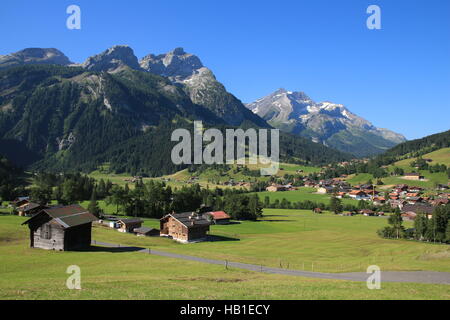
10 180
415 148
56 118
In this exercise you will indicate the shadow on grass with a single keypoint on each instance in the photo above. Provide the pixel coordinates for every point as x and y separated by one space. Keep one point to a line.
111 250
274 215
275 220
214 238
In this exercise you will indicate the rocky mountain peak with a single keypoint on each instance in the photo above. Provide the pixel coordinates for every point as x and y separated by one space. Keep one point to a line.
327 122
112 59
34 56
176 64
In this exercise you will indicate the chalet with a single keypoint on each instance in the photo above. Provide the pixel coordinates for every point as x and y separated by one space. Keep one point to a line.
185 227
325 190
416 209
128 225
276 188
379 201
340 195
438 202
442 187
20 201
219 217
29 209
367 212
413 176
409 215
415 189
310 184
397 203
401 187
146 232
358 195
61 228
414 200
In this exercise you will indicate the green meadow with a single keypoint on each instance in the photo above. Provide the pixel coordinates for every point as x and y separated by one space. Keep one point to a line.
441 156
107 274
302 194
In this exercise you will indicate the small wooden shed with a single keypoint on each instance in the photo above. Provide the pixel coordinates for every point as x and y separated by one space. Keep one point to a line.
219 217
61 228
146 232
128 225
29 209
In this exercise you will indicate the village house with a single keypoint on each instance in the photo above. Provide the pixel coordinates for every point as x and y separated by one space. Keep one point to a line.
61 228
412 195
20 201
29 209
310 184
411 211
128 225
413 176
378 201
414 200
358 195
397 203
326 190
415 190
277 188
367 212
340 195
219 217
185 227
438 202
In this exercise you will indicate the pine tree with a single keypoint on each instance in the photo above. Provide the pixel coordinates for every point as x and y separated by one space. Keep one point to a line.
93 205
336 205
396 221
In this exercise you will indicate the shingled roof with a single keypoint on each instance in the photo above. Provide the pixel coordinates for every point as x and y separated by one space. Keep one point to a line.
190 219
68 216
418 208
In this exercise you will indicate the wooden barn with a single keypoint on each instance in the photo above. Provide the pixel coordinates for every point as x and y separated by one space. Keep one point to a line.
146 232
185 227
61 228
29 209
128 225
20 201
219 217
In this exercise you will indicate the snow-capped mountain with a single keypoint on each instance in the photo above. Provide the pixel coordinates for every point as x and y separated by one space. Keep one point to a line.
325 122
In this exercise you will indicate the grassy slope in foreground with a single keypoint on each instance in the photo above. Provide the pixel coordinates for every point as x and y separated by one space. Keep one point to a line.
38 274
327 243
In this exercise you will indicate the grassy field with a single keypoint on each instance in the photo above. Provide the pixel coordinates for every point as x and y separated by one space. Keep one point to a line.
208 178
302 194
441 156
38 274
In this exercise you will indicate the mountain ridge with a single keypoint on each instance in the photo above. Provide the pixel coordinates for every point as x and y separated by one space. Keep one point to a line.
323 122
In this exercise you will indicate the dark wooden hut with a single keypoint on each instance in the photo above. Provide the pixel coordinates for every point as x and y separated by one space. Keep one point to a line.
61 228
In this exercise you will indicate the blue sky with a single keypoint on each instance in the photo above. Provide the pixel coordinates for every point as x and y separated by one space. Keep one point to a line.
397 77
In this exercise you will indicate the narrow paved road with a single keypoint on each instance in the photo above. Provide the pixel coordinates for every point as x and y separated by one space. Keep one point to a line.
431 277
